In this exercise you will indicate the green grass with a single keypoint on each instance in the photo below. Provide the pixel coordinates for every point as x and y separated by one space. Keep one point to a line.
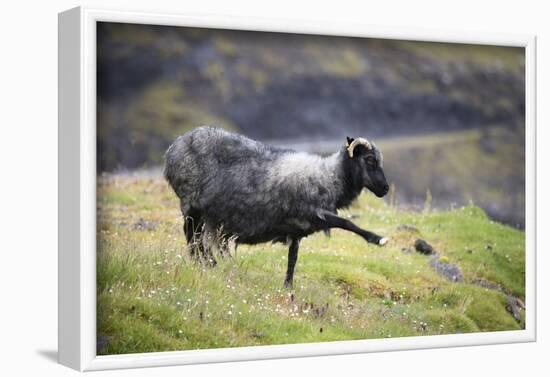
152 297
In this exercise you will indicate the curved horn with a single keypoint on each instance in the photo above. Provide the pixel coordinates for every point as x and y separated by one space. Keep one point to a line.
356 142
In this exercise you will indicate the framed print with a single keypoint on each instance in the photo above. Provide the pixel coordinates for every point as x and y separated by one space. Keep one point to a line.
235 189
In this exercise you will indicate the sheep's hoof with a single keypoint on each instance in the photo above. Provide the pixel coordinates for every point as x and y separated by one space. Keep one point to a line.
383 241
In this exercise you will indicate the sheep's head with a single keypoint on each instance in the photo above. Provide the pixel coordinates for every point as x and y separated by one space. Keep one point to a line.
368 159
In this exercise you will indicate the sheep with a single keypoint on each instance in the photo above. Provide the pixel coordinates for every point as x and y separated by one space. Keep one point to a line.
259 193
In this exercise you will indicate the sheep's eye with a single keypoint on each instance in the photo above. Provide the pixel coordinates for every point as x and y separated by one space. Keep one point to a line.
371 161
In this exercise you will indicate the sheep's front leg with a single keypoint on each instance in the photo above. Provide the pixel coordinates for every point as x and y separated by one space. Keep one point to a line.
292 257
330 220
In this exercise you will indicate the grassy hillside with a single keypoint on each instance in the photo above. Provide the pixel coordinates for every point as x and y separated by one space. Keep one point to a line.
151 297
156 82
484 166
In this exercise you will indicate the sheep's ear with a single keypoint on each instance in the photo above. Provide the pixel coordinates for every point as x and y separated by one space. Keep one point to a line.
349 140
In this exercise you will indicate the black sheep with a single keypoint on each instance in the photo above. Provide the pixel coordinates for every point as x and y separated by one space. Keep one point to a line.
257 193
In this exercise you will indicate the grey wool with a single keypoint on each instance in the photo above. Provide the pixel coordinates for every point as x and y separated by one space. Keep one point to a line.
252 192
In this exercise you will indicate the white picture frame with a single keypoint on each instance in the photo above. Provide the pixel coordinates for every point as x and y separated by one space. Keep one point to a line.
77 191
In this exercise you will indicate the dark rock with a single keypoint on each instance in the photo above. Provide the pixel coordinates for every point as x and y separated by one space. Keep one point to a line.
450 271
513 306
423 247
487 284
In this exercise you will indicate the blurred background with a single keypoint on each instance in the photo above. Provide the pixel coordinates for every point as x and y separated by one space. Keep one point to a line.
449 118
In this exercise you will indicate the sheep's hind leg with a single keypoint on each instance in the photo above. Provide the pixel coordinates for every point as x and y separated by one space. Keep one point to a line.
292 258
207 241
333 221
192 228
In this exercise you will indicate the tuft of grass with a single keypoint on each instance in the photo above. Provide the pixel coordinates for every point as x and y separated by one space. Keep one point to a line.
152 297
